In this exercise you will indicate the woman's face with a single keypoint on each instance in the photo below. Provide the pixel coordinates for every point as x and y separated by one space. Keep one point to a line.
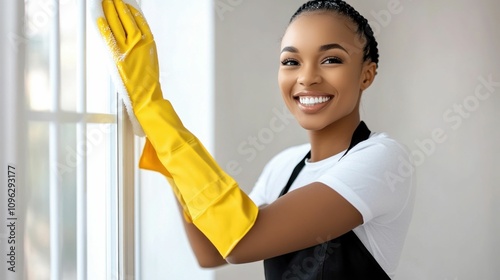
322 73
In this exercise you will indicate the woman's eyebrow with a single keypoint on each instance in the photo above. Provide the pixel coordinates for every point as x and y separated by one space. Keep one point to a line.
321 49
332 46
290 49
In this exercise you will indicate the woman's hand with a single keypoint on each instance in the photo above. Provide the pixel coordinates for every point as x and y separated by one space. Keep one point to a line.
130 42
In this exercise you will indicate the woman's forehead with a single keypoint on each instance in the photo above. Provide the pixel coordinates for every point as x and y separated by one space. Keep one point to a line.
316 29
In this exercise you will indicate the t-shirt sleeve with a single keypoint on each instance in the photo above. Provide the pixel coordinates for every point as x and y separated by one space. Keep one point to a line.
375 177
258 193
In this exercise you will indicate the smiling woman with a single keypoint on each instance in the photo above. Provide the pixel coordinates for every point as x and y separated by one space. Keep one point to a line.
329 58
345 215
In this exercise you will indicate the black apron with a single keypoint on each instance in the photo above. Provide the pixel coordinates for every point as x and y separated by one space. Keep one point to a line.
342 258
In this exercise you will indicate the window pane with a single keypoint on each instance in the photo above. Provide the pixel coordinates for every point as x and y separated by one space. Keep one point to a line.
39 13
68 16
97 150
100 96
37 239
67 185
101 192
37 44
38 215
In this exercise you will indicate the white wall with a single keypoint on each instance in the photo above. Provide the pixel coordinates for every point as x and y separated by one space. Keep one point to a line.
438 51
433 54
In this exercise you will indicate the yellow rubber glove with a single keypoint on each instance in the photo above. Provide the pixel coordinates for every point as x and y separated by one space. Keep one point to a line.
150 161
217 206
116 44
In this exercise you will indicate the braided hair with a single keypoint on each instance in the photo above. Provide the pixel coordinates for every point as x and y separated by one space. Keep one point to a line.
370 49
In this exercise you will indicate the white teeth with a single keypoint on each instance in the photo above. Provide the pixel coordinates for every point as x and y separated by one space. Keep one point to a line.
310 101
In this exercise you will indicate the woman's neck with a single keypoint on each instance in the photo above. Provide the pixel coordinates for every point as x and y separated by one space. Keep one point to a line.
334 138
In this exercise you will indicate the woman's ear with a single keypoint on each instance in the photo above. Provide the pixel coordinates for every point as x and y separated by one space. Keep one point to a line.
368 74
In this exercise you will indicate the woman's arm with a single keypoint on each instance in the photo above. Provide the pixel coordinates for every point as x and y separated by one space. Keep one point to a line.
302 218
205 252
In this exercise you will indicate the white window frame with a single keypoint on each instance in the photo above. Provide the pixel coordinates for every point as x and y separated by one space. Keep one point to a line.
121 240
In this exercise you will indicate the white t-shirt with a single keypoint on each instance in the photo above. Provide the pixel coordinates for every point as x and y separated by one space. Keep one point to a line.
376 177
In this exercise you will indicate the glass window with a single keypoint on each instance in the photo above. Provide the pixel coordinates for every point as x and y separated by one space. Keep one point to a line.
72 148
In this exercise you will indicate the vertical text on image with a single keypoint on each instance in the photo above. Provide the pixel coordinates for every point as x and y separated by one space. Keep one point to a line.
11 218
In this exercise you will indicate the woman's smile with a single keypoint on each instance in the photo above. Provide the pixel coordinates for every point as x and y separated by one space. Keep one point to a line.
312 102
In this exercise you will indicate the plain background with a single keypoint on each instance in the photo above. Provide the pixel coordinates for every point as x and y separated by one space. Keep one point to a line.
428 94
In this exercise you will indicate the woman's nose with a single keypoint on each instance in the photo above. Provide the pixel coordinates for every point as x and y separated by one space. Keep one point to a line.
309 75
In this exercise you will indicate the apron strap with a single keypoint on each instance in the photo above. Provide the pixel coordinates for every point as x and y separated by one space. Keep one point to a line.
360 134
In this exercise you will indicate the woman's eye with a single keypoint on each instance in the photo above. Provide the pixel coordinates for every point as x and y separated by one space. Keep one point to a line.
289 62
332 60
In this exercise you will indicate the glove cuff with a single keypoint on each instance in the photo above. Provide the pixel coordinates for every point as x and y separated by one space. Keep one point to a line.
227 219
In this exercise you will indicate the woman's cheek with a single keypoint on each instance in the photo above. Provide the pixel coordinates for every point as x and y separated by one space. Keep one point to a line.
285 83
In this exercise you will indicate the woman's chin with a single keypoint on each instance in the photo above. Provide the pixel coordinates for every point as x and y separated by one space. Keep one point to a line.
312 125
